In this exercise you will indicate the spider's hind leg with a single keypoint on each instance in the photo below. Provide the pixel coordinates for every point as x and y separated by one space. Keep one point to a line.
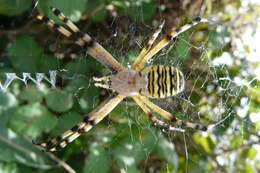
157 121
170 117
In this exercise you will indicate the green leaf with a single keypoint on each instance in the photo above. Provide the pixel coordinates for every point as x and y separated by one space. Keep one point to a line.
131 58
252 153
24 54
248 168
72 9
98 159
59 101
166 150
88 100
206 142
47 63
8 167
15 148
65 122
32 120
31 95
7 100
83 65
85 93
138 10
132 149
182 47
217 39
14 7
99 15
77 85
237 141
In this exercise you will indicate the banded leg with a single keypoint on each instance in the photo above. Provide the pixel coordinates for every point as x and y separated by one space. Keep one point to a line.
100 85
170 117
64 19
102 82
100 79
55 26
153 118
92 47
148 45
170 36
90 120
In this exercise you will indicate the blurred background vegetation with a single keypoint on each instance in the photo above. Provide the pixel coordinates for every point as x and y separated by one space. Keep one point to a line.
221 65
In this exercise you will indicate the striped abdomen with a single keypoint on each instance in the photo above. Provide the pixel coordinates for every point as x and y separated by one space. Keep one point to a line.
162 81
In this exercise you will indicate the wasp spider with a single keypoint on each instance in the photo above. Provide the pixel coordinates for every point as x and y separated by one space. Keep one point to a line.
138 82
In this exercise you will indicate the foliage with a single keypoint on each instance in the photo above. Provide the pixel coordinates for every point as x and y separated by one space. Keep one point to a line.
126 141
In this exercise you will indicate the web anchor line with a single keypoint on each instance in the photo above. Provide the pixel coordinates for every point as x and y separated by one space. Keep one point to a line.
39 77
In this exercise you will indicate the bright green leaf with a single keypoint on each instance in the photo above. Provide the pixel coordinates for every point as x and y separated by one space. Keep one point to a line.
8 167
166 150
182 48
59 101
82 66
92 6
206 143
72 9
25 54
7 100
32 120
31 95
14 7
138 10
65 122
132 149
98 160
252 153
15 148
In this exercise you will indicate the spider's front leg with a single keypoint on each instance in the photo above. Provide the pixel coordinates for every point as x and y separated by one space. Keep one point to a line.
88 122
102 82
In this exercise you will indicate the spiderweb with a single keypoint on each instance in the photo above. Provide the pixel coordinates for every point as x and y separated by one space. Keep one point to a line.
217 92
222 82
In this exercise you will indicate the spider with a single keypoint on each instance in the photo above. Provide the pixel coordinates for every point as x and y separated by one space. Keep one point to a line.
138 82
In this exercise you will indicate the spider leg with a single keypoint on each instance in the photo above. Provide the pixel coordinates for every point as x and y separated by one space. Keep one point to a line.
105 79
100 79
152 117
170 36
89 121
92 47
148 45
52 24
170 117
64 19
100 85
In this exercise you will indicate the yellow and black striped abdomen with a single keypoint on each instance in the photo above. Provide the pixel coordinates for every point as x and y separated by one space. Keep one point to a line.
162 81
